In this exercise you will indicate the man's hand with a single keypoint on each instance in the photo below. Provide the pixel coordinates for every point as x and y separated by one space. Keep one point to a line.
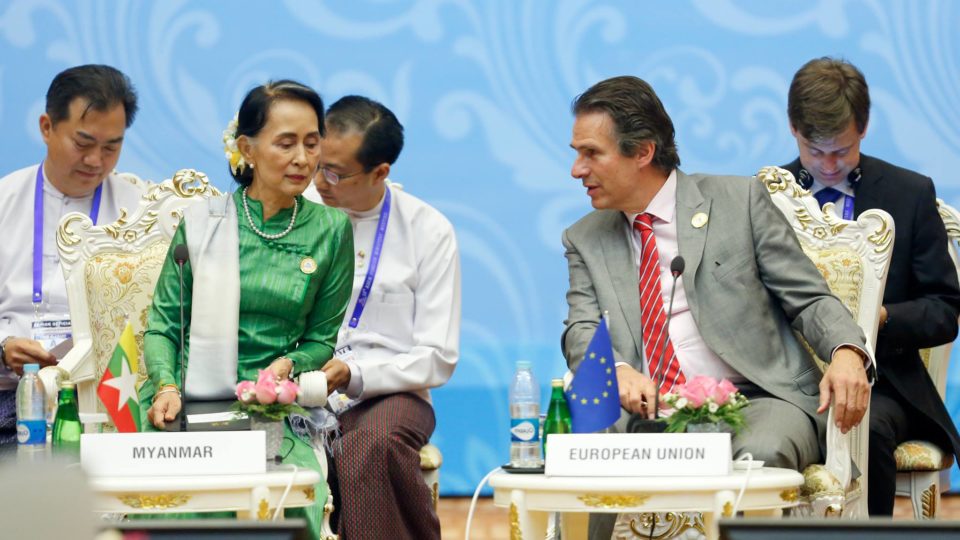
338 374
845 385
19 351
164 409
637 391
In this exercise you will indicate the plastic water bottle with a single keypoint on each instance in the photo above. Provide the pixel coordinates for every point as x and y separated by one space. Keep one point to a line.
524 418
31 416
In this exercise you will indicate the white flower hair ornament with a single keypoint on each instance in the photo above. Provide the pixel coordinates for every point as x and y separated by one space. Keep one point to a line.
230 148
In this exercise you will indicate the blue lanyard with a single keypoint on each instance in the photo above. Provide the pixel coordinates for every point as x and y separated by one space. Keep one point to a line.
848 207
374 260
38 231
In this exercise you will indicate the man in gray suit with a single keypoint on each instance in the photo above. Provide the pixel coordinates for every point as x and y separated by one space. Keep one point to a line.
746 288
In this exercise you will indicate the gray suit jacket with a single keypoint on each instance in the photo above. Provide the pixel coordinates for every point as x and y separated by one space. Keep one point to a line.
748 284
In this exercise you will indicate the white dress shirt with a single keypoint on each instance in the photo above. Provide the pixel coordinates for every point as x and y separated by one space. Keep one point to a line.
692 352
408 336
17 310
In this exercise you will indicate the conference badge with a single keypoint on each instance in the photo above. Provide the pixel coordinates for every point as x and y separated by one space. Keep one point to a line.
699 220
308 265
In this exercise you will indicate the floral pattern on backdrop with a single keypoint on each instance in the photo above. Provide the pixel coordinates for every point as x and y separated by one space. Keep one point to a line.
484 91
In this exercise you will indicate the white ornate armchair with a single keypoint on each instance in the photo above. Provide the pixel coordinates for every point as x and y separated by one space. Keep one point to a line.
923 467
110 272
854 258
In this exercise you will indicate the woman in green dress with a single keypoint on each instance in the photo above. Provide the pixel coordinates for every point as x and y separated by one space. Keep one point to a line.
268 276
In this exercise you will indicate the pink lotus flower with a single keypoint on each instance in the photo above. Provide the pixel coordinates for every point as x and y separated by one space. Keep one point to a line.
246 391
288 392
697 390
723 392
266 387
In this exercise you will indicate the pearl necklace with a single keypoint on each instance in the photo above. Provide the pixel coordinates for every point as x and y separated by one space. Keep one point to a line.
261 234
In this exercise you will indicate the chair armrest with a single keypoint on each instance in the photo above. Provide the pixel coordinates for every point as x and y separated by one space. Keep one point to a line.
839 458
51 377
430 458
77 364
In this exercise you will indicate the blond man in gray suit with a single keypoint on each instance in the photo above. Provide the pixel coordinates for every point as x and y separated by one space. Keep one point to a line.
746 287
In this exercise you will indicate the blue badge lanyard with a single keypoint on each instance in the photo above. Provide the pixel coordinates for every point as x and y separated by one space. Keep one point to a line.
374 260
847 207
38 232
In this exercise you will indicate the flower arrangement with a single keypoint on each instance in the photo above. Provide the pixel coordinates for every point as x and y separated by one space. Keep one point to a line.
268 398
230 148
704 400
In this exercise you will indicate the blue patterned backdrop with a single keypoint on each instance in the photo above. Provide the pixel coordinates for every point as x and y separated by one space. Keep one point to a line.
484 88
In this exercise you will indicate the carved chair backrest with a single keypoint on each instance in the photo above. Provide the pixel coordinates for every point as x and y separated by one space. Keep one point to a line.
853 257
110 273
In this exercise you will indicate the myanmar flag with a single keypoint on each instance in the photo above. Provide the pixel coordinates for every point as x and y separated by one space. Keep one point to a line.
118 386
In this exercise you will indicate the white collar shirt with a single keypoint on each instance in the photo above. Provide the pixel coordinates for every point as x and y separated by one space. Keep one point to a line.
408 336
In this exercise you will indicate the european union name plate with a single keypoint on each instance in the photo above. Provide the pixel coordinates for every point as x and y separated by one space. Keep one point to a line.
173 454
638 454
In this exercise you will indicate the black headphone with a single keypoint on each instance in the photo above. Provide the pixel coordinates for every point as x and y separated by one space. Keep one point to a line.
805 179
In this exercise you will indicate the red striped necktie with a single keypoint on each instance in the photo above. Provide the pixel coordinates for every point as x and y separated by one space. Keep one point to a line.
653 318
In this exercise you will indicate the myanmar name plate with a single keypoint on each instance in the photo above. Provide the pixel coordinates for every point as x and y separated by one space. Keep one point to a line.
173 454
638 454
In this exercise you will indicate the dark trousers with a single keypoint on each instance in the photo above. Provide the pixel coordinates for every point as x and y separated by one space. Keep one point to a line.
8 423
377 485
892 421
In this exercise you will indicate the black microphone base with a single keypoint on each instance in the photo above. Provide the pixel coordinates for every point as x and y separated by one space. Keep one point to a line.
637 424
182 423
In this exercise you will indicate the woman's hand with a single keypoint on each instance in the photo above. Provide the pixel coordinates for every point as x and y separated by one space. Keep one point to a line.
282 368
165 408
338 374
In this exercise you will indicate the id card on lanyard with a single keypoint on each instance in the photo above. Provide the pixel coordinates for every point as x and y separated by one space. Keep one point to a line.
848 207
49 328
374 262
340 402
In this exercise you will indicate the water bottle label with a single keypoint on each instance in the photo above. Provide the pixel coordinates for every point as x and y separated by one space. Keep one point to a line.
524 429
32 431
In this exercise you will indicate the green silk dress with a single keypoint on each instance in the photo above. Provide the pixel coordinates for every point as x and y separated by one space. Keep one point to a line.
283 310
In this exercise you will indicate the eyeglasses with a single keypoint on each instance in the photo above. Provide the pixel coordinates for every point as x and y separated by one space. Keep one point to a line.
333 178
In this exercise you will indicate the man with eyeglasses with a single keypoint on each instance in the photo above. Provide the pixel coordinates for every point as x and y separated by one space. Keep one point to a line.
88 110
402 330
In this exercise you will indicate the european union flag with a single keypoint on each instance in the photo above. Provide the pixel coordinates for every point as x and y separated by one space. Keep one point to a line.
593 396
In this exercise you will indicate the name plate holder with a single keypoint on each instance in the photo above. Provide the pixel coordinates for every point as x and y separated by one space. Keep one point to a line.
638 454
173 454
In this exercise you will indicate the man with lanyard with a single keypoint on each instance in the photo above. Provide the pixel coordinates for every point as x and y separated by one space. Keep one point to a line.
828 107
402 331
87 112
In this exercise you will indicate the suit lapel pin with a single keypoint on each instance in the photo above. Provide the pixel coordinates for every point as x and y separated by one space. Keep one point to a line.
699 220
308 265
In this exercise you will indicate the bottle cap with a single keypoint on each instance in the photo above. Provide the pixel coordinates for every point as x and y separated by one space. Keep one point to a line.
523 364
69 385
556 383
31 368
